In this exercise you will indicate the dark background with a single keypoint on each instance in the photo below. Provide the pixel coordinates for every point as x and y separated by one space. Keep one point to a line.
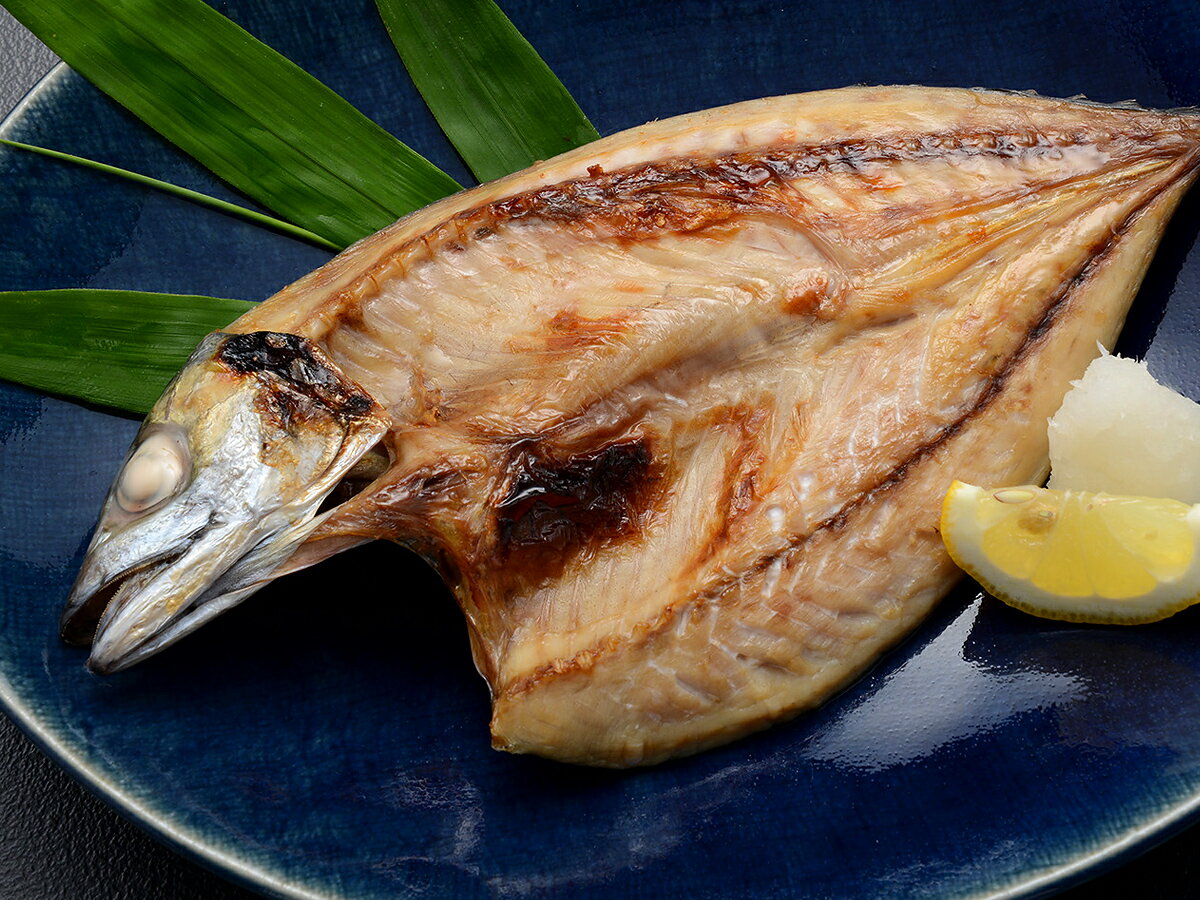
59 841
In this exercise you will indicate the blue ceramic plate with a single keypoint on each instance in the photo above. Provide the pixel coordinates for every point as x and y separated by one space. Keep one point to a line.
330 737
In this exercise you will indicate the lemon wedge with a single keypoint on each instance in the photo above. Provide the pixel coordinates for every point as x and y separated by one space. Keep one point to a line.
1073 555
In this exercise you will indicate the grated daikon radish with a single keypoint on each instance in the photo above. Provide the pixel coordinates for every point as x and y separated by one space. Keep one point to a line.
1122 432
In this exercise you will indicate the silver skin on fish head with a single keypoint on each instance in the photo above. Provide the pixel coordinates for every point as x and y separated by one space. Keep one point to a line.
223 482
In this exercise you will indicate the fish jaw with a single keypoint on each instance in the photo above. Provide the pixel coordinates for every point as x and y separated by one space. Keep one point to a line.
221 485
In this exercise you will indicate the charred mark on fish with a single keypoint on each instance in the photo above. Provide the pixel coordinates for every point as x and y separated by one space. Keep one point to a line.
560 506
688 194
301 371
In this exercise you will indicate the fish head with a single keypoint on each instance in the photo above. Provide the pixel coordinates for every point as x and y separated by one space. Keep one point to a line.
223 482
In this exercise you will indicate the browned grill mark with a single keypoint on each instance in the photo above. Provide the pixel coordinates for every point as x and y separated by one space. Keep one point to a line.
1056 304
739 489
350 312
814 297
282 407
295 374
687 194
569 331
400 510
553 508
804 301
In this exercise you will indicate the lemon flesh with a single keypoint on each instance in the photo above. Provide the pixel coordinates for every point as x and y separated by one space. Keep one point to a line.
1074 555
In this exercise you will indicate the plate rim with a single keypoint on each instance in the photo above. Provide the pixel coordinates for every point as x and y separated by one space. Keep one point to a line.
55 746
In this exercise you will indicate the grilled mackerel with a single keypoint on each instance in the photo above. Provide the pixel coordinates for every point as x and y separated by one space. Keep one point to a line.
672 413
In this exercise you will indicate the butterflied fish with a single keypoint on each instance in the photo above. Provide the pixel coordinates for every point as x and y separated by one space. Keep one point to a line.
672 413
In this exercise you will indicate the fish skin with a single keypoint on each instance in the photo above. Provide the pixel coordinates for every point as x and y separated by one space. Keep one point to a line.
673 413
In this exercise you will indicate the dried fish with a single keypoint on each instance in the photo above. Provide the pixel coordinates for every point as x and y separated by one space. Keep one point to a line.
672 413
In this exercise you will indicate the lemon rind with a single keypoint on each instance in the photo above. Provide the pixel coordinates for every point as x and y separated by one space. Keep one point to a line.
1051 606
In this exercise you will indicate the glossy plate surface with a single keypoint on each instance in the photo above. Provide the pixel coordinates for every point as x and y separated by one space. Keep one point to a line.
330 736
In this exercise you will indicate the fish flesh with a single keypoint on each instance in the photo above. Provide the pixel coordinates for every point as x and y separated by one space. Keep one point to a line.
672 413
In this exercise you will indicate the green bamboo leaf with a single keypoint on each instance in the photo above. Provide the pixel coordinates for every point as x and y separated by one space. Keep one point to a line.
111 348
186 193
497 101
253 117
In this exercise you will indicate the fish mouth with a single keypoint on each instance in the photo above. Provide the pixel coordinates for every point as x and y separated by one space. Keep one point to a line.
116 648
84 610
152 604
155 601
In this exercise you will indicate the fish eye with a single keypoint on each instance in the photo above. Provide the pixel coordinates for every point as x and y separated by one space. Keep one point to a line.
156 471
